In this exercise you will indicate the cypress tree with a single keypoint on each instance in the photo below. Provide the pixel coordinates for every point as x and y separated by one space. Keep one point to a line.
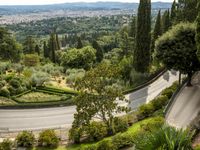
99 51
45 48
198 33
173 11
142 52
29 45
57 42
166 21
37 49
79 43
157 30
186 10
52 46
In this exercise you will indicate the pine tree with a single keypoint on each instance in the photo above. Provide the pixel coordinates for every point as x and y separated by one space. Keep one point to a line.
166 23
198 33
99 51
142 52
45 48
79 43
157 30
37 49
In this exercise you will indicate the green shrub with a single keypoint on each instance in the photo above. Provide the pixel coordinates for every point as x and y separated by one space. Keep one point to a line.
15 83
25 139
120 124
123 140
4 92
6 145
167 138
106 144
75 134
160 101
48 139
89 147
9 77
145 110
96 131
170 91
2 83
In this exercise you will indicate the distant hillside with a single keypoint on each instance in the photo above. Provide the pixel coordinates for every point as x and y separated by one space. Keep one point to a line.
9 10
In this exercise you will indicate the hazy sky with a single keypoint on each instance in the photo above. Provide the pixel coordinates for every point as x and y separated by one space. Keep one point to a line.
40 2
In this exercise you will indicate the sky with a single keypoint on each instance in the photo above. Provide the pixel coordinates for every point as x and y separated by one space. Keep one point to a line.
41 2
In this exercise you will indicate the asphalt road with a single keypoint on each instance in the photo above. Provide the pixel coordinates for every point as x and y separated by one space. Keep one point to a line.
186 105
35 119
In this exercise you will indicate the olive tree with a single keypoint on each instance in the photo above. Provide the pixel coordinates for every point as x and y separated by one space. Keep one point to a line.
97 97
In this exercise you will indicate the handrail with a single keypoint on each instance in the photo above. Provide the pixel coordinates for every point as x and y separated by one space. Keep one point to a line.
154 78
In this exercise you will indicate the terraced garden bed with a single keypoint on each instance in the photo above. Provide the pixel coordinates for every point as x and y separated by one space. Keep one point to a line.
6 101
35 97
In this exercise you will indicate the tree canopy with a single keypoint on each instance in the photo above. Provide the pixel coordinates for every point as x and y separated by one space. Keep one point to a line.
177 48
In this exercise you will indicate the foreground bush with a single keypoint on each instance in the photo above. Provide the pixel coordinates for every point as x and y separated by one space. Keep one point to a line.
48 139
25 139
165 138
96 131
6 145
128 138
123 140
120 124
106 145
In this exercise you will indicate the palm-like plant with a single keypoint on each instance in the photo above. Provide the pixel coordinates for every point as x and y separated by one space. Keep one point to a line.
166 138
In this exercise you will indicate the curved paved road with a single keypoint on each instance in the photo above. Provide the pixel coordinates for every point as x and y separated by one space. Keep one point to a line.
62 117
186 105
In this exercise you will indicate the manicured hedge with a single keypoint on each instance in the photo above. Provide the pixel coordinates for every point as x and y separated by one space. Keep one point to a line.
57 90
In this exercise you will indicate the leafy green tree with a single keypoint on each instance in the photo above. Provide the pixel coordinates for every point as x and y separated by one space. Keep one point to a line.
125 42
198 33
166 23
99 51
9 48
79 43
31 60
157 30
142 52
97 97
79 58
177 49
132 32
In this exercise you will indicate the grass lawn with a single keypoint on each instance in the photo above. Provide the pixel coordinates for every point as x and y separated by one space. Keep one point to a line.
34 97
